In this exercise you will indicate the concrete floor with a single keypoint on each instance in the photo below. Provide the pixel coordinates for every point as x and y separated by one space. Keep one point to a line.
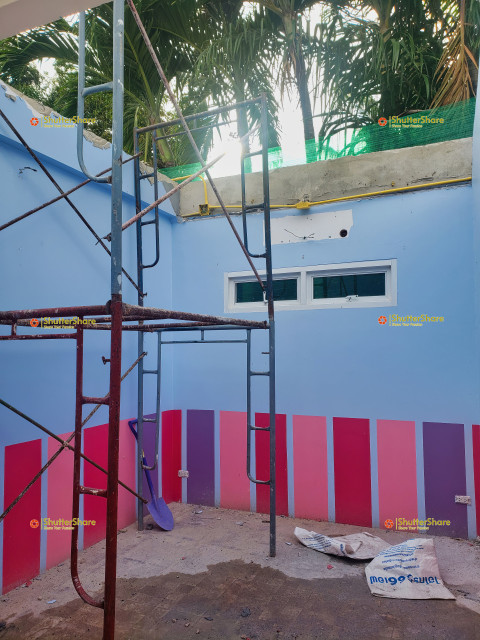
196 581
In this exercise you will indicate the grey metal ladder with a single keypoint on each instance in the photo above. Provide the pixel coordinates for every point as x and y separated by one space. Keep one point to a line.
268 299
142 370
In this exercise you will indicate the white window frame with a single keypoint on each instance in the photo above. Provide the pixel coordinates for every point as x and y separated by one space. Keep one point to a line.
304 276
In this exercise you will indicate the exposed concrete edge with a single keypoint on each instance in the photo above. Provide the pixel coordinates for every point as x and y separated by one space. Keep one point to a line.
348 176
39 109
58 146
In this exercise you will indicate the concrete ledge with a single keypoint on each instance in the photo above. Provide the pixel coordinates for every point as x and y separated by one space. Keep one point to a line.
347 176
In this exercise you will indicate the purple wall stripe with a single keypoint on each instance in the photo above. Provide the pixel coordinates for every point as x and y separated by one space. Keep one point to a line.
200 457
149 449
444 469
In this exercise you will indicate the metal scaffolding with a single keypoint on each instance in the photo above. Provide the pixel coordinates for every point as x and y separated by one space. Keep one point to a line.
116 316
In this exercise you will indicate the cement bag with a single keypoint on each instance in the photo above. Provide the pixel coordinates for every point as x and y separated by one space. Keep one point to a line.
407 570
357 546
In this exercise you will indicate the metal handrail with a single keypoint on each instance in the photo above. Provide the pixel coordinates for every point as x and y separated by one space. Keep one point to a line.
82 93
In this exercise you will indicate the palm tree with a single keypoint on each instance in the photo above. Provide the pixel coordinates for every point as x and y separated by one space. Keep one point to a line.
384 58
235 64
457 70
177 34
287 16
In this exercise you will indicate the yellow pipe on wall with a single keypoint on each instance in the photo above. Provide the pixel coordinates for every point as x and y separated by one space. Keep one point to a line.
371 194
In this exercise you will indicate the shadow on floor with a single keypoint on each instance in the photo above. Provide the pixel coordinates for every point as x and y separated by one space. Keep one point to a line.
180 606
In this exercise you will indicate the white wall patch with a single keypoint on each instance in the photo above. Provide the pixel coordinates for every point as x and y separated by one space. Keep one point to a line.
316 226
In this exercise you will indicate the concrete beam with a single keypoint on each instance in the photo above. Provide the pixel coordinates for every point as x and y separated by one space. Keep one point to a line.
347 176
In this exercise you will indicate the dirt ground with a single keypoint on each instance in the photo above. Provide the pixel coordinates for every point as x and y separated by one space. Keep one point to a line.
211 578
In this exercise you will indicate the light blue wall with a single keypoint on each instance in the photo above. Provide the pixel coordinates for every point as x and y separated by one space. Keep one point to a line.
341 361
335 362
51 259
329 362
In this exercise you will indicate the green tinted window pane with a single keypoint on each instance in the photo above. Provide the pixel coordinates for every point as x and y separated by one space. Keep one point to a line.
252 292
249 292
285 289
365 284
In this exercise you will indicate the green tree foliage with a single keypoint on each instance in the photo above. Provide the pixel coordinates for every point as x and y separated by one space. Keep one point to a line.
393 57
364 59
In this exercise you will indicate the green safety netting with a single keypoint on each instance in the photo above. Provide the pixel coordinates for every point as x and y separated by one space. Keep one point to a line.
411 130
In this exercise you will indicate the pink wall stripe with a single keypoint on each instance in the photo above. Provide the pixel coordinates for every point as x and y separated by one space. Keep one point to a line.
310 467
351 459
96 447
21 530
59 500
94 508
397 470
126 473
234 484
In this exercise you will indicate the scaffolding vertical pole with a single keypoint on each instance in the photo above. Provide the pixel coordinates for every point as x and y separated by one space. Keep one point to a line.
140 336
271 320
77 450
116 322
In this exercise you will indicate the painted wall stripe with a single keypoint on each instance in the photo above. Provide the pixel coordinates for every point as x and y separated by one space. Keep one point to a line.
149 449
471 509
420 470
95 441
331 471
126 472
290 468
200 457
476 468
21 542
253 486
2 475
353 501
310 467
374 473
262 459
397 470
43 509
59 500
171 455
184 457
96 447
444 468
216 456
234 483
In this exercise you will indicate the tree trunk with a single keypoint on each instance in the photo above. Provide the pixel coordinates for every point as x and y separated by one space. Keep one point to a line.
242 126
304 95
300 70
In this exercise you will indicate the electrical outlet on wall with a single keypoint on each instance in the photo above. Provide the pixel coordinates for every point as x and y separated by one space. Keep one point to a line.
463 499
